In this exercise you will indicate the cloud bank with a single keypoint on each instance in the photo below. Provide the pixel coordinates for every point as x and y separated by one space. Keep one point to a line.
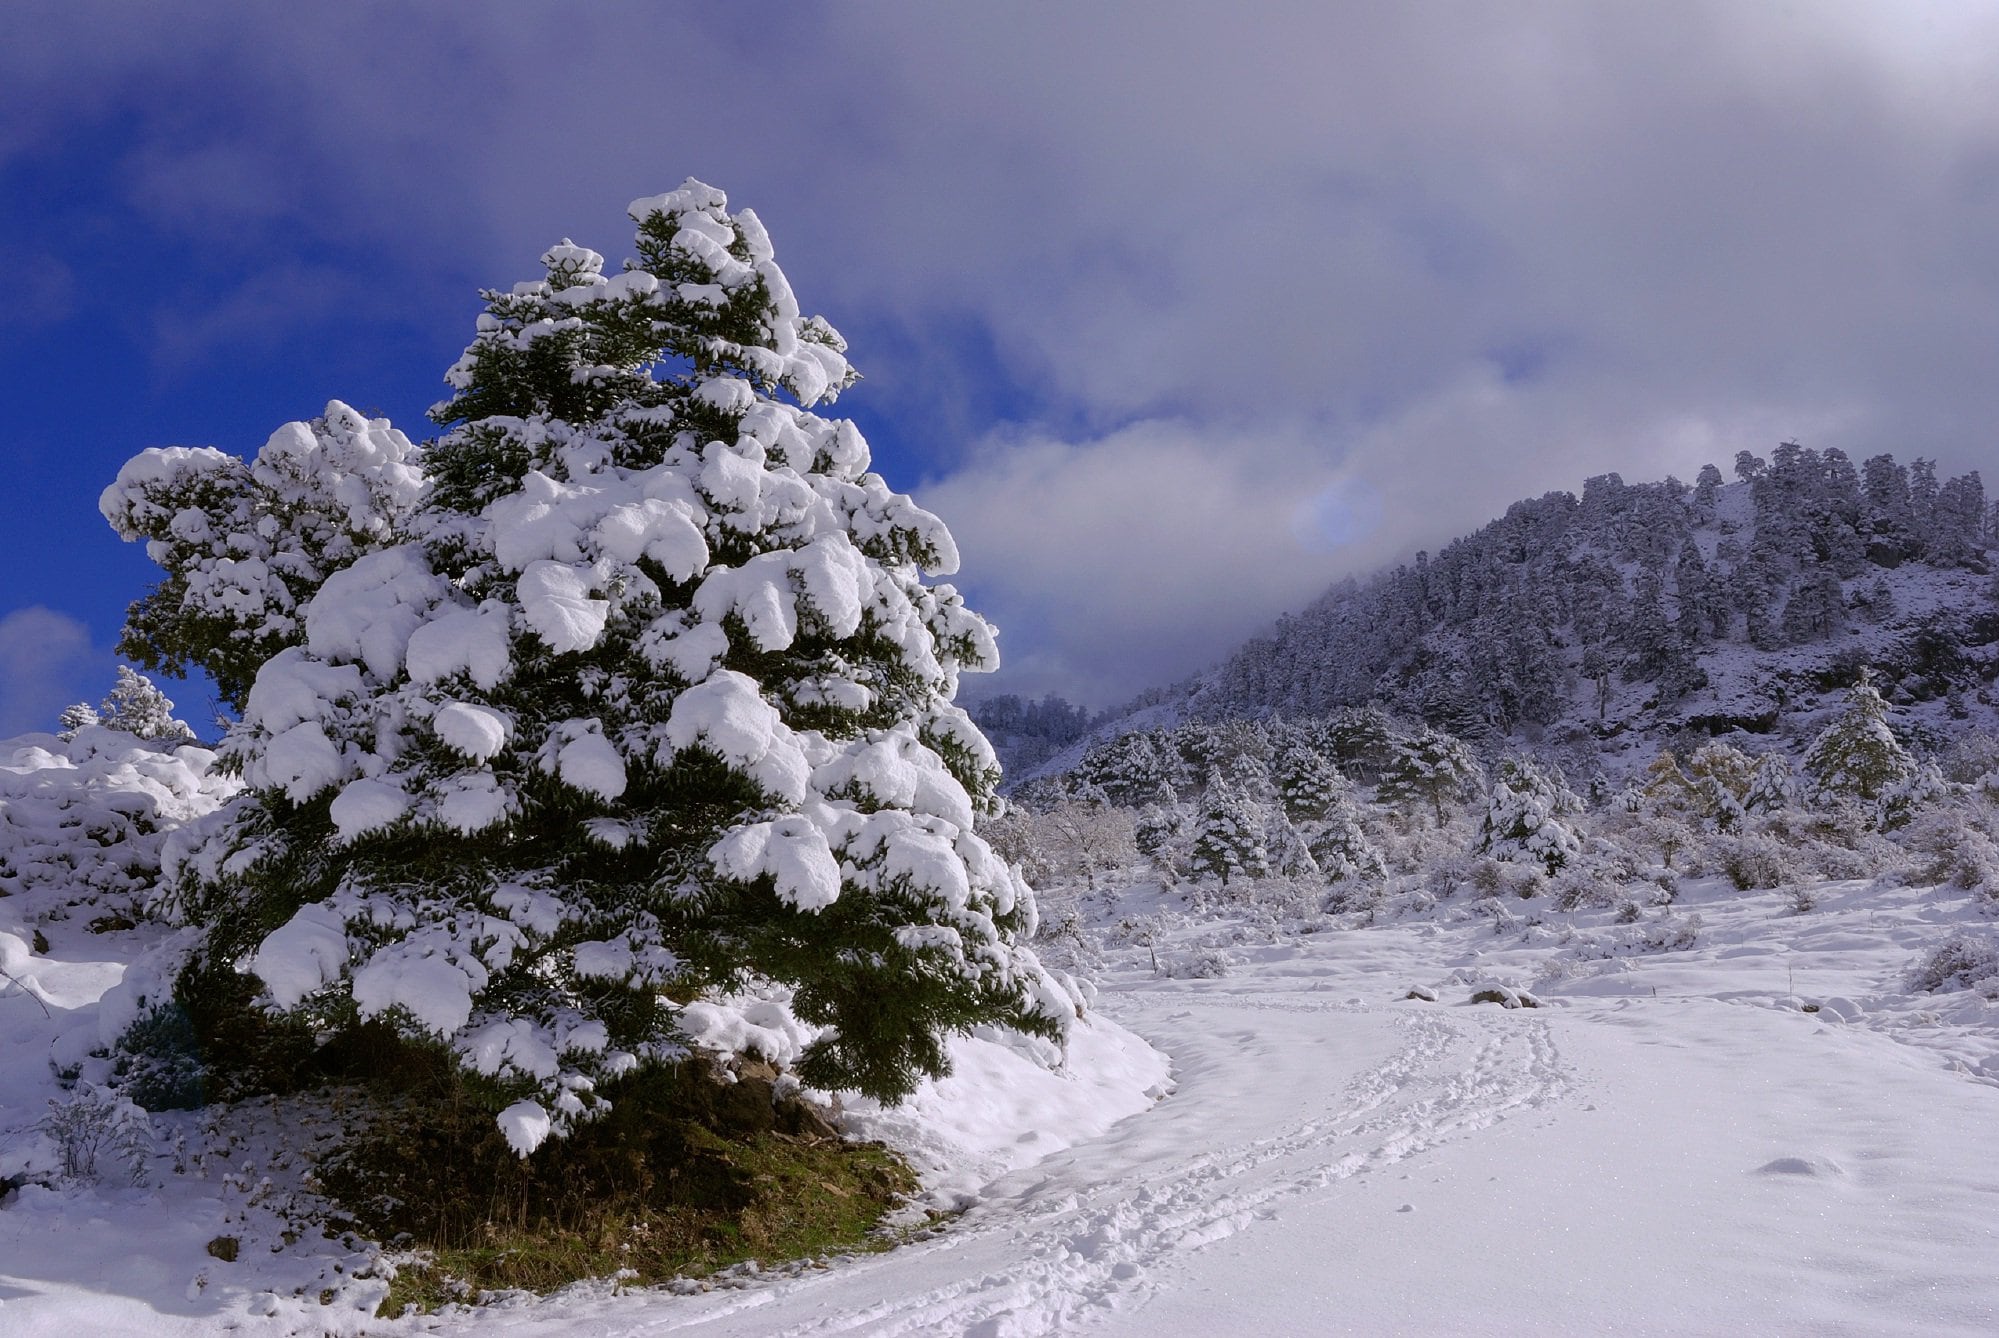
1175 311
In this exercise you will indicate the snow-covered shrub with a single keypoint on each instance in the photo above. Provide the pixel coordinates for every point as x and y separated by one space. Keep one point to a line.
1067 840
1952 849
1963 961
1526 883
92 1127
1411 847
1504 921
1634 937
1752 861
629 687
1141 931
1839 861
1801 898
1773 785
1582 889
1666 790
1667 834
83 821
1674 933
158 1059
1201 962
1924 788
1973 756
1722 777
1065 943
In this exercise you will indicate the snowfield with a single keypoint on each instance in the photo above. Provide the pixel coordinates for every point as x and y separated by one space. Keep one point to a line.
1766 1131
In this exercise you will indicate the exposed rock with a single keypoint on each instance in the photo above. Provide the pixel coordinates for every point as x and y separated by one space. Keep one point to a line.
1506 997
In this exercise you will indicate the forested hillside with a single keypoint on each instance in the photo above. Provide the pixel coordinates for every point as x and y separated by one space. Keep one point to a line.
1638 612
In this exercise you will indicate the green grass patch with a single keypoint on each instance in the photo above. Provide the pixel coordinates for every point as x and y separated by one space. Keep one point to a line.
684 1177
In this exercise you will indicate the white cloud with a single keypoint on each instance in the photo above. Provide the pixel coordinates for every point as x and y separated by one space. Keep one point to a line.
1142 553
46 662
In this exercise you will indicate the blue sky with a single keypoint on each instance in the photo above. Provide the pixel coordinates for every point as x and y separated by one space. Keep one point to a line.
1176 313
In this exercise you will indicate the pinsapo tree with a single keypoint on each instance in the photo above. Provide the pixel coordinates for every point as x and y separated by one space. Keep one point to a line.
635 684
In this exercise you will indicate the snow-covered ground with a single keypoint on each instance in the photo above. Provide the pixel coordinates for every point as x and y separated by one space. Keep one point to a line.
1763 1132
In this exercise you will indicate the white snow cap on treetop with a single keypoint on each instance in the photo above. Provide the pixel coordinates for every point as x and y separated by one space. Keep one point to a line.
810 356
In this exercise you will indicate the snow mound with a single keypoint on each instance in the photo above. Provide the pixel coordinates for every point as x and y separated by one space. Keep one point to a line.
1002 1107
1805 1166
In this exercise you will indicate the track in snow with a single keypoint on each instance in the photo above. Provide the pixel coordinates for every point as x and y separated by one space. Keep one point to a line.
1073 1247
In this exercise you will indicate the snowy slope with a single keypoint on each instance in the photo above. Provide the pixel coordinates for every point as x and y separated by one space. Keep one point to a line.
1672 1145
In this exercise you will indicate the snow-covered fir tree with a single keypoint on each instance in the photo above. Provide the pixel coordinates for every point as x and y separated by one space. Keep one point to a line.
1308 785
1341 848
1127 770
1154 829
1525 816
1228 837
138 707
1773 785
1426 770
76 717
1857 756
629 687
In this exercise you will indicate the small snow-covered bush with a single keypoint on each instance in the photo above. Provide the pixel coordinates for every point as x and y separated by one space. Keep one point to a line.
1962 961
1672 933
1350 897
1972 758
1140 931
1952 850
1202 962
1527 883
1581 889
1414 846
95 1126
1752 861
1675 933
1065 943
